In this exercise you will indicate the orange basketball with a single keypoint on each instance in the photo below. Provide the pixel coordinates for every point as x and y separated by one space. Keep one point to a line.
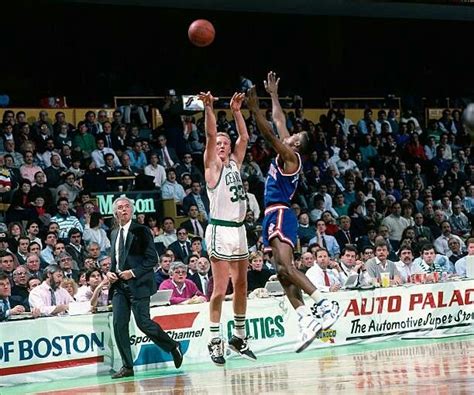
201 33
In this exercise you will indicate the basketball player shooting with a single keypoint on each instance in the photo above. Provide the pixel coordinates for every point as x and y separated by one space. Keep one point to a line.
226 236
280 223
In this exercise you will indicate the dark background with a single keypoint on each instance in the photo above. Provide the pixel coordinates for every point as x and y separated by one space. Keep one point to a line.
91 52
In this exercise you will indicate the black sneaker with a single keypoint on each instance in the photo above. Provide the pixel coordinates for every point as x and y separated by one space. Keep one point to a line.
216 351
240 346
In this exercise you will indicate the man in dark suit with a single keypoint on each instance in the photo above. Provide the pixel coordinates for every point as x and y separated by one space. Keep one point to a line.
181 247
167 155
193 225
131 275
197 198
201 277
345 235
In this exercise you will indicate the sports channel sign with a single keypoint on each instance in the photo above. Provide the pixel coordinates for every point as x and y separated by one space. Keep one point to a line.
144 201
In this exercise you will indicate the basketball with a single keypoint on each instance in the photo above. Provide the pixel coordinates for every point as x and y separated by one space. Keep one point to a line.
468 116
201 33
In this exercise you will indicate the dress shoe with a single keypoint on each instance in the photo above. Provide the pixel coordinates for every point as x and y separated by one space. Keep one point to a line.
177 356
123 372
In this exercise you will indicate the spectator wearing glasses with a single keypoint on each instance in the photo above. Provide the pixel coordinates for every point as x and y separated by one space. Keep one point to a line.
184 291
20 285
455 253
181 247
64 260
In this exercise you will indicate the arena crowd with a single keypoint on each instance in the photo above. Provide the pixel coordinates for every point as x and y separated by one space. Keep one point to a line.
382 194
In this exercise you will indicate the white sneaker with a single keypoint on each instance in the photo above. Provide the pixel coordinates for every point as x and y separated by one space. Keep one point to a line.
309 328
326 311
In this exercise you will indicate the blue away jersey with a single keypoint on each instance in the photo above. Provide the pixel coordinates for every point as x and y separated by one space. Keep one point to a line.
280 187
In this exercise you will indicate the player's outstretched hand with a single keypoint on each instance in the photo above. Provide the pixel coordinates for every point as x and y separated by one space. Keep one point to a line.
236 101
252 99
207 98
271 83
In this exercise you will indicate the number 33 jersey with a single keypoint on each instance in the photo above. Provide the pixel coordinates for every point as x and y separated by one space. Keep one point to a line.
228 200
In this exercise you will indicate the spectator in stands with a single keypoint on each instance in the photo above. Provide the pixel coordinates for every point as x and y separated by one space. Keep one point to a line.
65 220
72 186
380 264
98 155
441 243
84 139
64 260
430 261
137 156
162 272
47 254
171 189
94 233
325 274
39 189
155 170
28 169
349 266
49 297
184 290
187 166
19 290
325 241
198 198
7 263
194 225
75 248
55 173
258 275
33 265
22 251
345 235
20 206
6 303
455 253
93 251
460 224
364 124
168 156
169 233
105 263
201 277
460 265
306 232
18 159
181 247
96 291
395 224
405 265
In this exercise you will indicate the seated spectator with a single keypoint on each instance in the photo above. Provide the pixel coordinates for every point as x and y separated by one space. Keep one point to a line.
455 253
20 206
199 198
72 186
405 265
169 233
70 286
325 241
64 260
350 265
307 259
40 190
162 272
137 156
252 200
193 225
84 139
98 155
430 262
395 224
8 307
49 297
380 264
105 262
75 248
33 265
306 232
202 275
441 243
323 275
184 291
94 233
28 169
19 290
47 254
460 265
93 252
181 247
96 291
171 189
258 275
168 156
65 220
156 170
331 224
460 224
55 173
187 166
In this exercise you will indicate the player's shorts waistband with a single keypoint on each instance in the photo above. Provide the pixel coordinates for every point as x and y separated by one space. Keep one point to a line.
230 224
275 206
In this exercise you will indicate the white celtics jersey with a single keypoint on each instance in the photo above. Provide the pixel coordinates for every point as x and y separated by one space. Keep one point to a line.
228 201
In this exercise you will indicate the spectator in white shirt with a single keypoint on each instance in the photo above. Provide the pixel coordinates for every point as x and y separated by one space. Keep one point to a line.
155 170
461 263
252 200
405 265
96 291
344 163
98 155
49 297
323 276
441 243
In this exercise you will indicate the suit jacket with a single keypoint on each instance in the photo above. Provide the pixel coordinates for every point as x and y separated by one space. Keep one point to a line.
342 239
190 228
190 200
171 153
77 256
140 257
197 280
178 251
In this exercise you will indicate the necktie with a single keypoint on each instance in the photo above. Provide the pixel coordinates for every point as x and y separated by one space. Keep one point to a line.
166 158
185 251
53 297
204 282
327 282
196 230
6 306
121 250
109 144
348 235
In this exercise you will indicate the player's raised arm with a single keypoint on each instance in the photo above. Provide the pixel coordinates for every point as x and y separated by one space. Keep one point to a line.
210 124
243 140
290 160
271 86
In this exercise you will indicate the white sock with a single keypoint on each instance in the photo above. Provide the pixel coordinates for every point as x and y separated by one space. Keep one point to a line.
316 296
214 330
